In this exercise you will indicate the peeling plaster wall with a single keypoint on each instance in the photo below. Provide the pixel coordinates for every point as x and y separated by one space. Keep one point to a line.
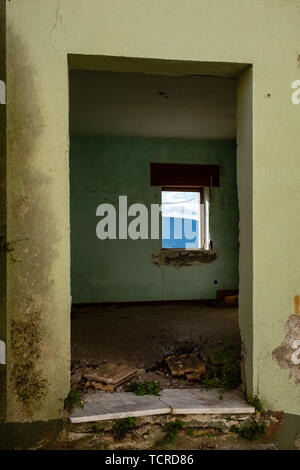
287 354
3 245
102 169
40 34
37 215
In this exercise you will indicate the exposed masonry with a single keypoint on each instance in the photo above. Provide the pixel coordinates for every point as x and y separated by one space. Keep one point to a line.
287 354
180 258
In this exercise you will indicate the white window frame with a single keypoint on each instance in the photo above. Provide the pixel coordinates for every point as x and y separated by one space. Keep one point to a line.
203 225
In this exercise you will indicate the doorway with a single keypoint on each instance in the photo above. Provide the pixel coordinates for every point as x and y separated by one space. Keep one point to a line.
130 294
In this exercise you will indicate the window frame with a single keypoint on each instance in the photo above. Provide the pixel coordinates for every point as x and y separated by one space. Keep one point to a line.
204 233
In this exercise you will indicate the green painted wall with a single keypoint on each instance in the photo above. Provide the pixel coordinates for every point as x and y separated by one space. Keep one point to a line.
162 37
102 168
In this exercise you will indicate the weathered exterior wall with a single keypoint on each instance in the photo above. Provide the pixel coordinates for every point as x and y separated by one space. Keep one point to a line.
40 34
102 168
3 245
38 292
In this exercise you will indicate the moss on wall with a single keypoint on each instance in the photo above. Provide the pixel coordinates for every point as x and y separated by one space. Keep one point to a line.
29 282
26 338
3 253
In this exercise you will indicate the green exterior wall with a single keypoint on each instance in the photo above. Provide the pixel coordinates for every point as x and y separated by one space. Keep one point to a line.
3 238
43 38
102 168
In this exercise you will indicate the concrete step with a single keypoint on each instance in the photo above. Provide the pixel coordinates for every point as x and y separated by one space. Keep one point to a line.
101 406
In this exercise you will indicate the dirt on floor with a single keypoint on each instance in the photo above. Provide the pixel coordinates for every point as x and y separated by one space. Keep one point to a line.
141 336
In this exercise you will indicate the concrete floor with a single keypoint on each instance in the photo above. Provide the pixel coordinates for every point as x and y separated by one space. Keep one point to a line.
142 335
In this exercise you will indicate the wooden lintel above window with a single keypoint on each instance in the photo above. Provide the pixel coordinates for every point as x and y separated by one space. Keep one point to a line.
186 175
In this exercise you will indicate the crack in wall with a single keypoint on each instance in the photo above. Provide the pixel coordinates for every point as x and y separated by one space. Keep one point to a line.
54 27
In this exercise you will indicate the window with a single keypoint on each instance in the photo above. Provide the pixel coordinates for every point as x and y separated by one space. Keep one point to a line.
185 218
185 203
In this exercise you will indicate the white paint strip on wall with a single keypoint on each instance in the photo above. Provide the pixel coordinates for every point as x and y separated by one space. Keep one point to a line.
2 352
296 355
206 221
2 92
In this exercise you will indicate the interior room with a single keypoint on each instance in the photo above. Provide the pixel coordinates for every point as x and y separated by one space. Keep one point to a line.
154 226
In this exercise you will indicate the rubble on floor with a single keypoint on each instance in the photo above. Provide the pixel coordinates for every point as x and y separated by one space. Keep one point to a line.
86 377
143 335
108 376
188 365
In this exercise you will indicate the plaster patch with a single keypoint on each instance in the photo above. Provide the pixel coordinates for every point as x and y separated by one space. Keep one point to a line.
22 205
287 354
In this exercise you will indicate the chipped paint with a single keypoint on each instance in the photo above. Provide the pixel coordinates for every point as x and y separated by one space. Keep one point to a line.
287 354
296 354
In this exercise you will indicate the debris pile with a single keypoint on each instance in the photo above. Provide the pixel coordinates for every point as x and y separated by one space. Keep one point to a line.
186 365
106 377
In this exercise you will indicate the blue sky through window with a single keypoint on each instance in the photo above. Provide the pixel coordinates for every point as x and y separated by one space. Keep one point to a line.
180 219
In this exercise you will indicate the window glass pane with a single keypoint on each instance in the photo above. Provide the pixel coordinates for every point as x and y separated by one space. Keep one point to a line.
180 219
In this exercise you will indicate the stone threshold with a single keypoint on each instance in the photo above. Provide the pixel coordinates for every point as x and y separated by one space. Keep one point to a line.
101 406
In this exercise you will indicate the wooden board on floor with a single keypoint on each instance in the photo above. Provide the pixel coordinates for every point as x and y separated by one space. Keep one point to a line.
111 373
186 364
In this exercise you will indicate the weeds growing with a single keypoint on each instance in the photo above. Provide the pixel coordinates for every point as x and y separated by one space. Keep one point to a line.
223 368
144 388
122 426
250 431
73 400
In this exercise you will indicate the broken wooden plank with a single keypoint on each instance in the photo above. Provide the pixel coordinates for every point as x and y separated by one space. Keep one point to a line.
186 364
110 373
102 386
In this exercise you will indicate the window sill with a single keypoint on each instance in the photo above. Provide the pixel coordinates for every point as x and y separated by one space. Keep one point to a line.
181 257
